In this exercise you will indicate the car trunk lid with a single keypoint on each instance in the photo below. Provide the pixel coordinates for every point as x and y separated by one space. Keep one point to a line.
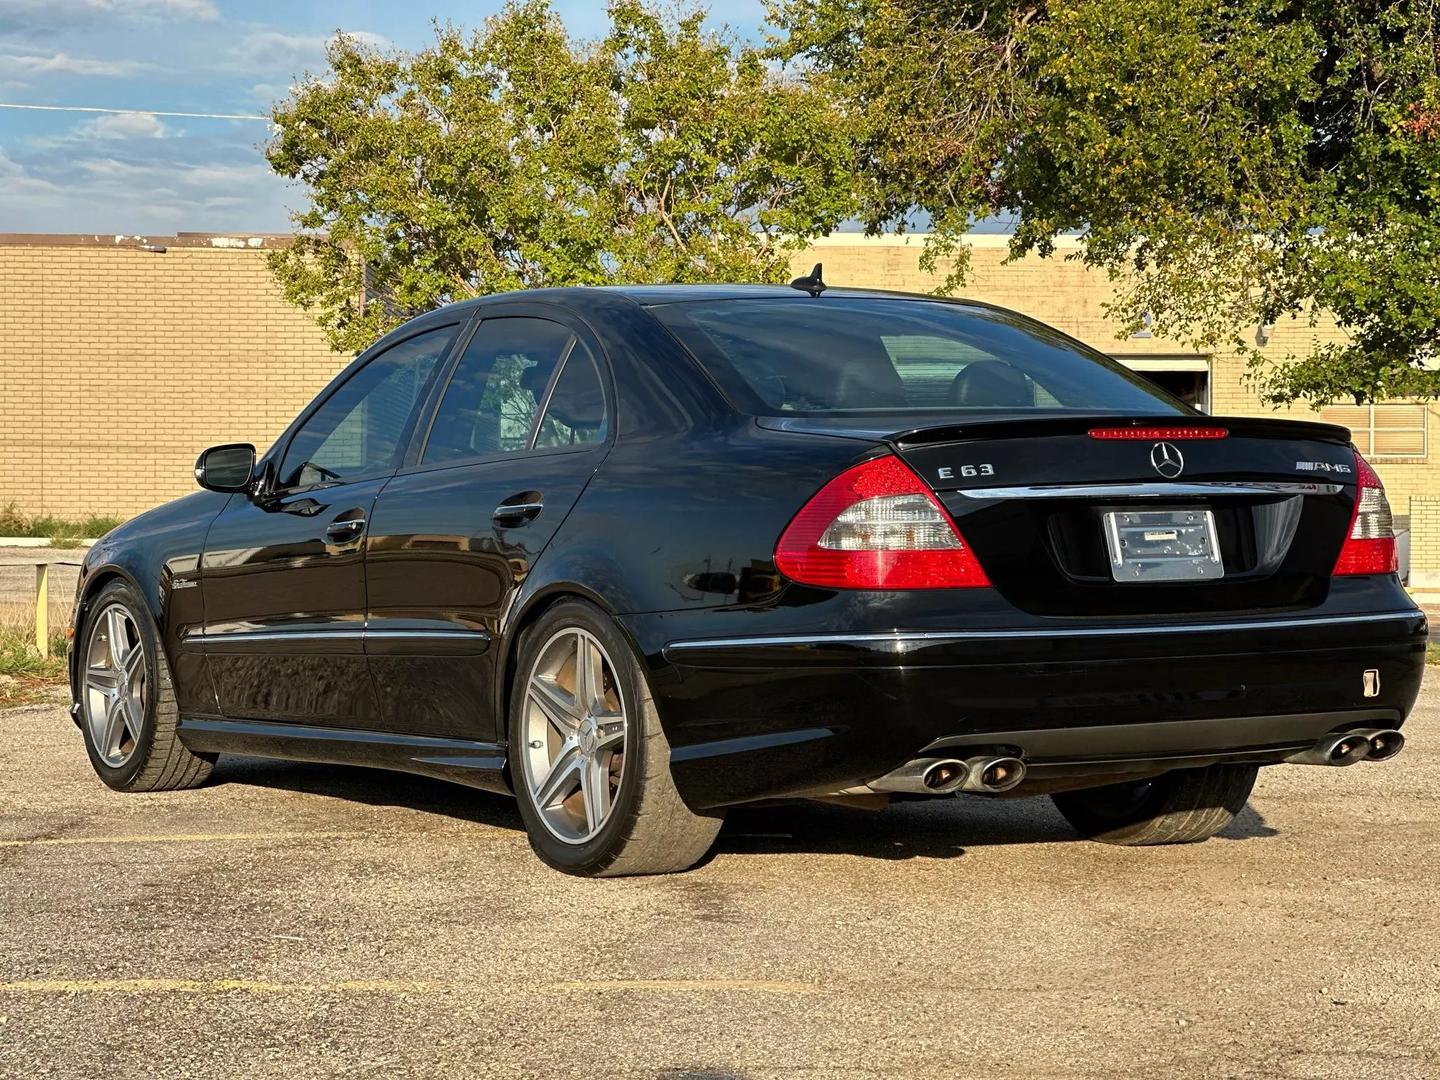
1103 515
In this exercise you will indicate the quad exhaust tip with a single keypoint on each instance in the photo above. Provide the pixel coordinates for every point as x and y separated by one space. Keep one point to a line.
945 776
924 776
993 775
1385 743
1348 747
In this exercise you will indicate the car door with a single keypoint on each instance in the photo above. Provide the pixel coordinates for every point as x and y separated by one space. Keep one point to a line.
283 571
520 425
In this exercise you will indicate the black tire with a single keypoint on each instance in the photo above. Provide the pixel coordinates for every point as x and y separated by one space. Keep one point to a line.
1181 807
157 760
649 829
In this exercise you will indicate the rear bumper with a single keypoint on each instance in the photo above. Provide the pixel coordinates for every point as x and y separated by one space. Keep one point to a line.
755 717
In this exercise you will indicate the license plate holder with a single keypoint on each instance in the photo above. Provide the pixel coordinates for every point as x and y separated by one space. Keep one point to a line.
1163 545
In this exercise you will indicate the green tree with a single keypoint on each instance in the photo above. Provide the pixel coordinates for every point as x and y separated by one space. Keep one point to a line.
1230 162
515 157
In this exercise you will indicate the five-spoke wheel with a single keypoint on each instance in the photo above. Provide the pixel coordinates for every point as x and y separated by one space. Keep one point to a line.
115 685
574 735
127 703
589 759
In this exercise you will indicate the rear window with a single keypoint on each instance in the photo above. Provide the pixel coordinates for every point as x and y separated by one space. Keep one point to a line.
817 356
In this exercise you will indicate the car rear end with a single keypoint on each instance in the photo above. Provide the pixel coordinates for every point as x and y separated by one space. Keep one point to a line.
1042 575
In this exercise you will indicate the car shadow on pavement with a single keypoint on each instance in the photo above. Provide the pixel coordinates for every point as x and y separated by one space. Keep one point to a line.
938 829
927 829
373 787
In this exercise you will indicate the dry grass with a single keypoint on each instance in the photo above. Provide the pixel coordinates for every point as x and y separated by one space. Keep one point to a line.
25 675
59 531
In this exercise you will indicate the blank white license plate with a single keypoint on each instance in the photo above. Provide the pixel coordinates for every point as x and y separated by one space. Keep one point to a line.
1163 545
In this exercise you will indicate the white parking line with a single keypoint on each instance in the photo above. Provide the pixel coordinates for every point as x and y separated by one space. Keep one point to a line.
398 986
173 838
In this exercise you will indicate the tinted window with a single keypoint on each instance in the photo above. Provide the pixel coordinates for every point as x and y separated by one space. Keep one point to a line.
842 354
575 414
358 430
492 401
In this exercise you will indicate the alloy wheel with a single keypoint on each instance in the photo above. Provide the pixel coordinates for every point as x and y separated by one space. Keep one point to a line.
574 728
116 685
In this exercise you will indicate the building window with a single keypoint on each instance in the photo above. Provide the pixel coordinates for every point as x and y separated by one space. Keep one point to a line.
1384 431
1186 377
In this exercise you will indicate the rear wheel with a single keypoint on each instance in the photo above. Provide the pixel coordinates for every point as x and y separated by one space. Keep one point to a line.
127 700
1179 807
589 761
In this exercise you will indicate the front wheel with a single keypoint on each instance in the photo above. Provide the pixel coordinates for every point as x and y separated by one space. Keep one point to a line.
588 759
127 700
1180 807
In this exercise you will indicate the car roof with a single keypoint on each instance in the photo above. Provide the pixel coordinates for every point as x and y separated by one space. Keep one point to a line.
658 295
653 295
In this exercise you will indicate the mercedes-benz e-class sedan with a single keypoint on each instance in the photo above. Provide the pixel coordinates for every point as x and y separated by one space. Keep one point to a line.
640 554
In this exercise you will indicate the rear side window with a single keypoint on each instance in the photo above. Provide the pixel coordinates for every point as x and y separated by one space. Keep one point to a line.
575 413
500 386
833 354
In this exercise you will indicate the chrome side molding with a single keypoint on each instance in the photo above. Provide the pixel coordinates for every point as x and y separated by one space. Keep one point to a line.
1191 489
903 638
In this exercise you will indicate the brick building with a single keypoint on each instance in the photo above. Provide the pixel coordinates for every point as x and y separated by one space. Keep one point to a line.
119 360
118 364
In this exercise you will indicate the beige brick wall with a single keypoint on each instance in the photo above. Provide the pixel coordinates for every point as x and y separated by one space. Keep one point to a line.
118 365
1425 542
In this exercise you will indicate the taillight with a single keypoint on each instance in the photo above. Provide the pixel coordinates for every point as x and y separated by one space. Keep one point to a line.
1158 434
877 526
1370 544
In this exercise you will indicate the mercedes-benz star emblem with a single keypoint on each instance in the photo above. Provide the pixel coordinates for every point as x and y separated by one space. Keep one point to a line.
1167 459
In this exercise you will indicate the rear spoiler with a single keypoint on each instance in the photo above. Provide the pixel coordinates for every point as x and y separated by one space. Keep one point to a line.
1009 427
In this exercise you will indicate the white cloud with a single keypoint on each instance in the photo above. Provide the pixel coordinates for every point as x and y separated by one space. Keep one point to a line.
108 126
203 10
34 15
108 195
211 175
129 125
63 64
267 93
270 50
9 169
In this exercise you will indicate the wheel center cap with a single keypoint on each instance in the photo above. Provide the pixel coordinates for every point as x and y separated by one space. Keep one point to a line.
589 736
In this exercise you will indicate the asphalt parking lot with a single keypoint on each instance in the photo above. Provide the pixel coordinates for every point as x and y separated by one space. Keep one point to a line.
295 920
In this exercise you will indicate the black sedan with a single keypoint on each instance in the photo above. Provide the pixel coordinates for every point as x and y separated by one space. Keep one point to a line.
640 554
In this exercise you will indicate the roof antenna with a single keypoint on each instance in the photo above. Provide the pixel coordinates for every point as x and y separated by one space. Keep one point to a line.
810 283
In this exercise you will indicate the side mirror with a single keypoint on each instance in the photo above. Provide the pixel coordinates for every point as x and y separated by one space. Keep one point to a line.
227 468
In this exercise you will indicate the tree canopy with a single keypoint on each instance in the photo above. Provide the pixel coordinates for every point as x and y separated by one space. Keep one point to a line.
1232 163
515 157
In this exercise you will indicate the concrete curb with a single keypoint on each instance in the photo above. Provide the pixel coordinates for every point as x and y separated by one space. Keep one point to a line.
40 542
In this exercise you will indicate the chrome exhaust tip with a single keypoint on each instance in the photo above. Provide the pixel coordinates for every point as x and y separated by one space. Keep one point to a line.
1344 748
993 775
1385 743
924 776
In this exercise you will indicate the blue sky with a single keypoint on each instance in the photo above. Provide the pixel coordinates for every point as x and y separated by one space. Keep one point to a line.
135 172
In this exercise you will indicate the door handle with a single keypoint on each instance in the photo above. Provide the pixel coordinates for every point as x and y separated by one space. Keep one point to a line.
517 513
348 529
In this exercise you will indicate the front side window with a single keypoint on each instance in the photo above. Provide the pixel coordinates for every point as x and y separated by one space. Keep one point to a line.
498 390
357 432
838 354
